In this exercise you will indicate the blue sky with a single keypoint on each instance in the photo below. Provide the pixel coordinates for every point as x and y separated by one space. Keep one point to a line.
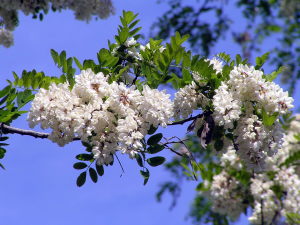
38 187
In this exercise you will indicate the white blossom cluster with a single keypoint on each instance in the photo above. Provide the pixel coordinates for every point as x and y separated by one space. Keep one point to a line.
108 116
189 98
267 204
83 9
225 195
241 100
6 38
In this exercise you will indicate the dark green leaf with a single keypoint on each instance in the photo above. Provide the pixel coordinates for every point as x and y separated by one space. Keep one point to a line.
5 91
2 166
146 175
93 175
84 157
155 148
152 130
139 160
79 165
156 161
100 169
81 179
2 153
154 139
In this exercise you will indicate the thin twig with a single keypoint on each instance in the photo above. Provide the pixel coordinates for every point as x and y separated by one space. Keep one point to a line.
123 171
13 130
184 121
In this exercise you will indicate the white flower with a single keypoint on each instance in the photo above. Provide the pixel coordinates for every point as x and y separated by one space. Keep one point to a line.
188 99
6 38
110 117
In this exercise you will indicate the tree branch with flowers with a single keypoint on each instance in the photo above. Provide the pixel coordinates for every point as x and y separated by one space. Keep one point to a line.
116 105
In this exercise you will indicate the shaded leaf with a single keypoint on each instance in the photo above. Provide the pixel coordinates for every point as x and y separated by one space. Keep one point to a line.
81 179
156 161
93 175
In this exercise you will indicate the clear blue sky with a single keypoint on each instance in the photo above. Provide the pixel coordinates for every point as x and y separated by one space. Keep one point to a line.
38 187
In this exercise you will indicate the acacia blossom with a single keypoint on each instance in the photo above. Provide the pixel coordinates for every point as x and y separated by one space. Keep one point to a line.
110 117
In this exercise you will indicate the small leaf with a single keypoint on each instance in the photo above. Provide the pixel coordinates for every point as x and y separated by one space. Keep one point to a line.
55 57
93 175
152 130
146 175
154 139
2 153
155 149
100 170
156 161
2 166
139 160
79 166
268 120
84 157
81 179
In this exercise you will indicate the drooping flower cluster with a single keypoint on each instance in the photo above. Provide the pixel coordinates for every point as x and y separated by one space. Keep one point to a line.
84 9
225 194
190 98
275 193
108 116
6 38
242 100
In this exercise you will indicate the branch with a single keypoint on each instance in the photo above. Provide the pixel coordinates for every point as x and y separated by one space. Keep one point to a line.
13 130
184 121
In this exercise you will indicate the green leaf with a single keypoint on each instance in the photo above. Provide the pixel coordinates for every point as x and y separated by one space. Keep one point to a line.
295 157
156 161
153 140
79 166
84 157
2 166
268 120
218 145
128 17
79 65
261 60
293 218
62 58
81 179
238 59
272 76
152 130
225 57
3 138
155 148
2 153
5 91
146 175
93 175
55 56
100 170
139 160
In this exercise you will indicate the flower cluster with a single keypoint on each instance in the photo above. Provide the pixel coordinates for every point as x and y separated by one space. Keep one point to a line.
190 98
275 192
6 38
243 100
84 9
225 194
108 116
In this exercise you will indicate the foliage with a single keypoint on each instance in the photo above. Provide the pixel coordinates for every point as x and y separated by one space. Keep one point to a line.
126 62
276 21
